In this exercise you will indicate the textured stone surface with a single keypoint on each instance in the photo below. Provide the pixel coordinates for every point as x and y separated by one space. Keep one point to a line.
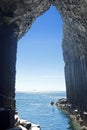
21 12
74 14
17 16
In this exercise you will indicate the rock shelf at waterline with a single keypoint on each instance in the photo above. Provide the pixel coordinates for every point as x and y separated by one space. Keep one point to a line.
77 117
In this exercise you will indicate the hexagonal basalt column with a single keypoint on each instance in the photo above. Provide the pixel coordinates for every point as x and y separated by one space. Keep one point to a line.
8 49
74 15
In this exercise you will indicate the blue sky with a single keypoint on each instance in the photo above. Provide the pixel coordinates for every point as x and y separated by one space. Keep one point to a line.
40 65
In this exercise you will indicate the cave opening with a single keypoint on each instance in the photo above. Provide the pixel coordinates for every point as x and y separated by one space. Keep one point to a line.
40 65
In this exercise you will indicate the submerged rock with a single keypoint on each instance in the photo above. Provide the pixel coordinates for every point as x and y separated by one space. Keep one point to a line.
52 103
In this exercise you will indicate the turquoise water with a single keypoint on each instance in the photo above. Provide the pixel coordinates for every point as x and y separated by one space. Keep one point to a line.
36 108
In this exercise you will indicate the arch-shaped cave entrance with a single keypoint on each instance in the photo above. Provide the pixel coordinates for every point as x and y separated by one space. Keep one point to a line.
40 65
16 20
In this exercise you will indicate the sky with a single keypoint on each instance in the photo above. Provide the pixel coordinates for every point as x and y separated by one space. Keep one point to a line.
40 65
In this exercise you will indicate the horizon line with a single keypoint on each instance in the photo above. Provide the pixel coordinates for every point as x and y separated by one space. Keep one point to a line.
37 91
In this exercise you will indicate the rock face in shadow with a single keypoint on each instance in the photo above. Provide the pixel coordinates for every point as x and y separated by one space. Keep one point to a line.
16 17
8 48
74 14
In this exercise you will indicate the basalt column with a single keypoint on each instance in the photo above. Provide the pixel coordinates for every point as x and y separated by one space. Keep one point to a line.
8 48
74 15
76 69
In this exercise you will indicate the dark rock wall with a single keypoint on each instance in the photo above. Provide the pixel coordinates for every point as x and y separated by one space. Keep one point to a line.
22 12
17 16
8 48
74 15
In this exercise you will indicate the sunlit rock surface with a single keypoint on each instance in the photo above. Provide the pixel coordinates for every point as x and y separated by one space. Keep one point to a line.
16 17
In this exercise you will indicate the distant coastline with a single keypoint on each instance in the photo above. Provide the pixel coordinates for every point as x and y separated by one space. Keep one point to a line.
40 91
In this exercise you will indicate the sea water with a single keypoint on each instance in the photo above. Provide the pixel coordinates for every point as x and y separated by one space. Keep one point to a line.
36 108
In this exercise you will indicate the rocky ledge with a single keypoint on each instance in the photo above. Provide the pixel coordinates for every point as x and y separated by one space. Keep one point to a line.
78 118
21 124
